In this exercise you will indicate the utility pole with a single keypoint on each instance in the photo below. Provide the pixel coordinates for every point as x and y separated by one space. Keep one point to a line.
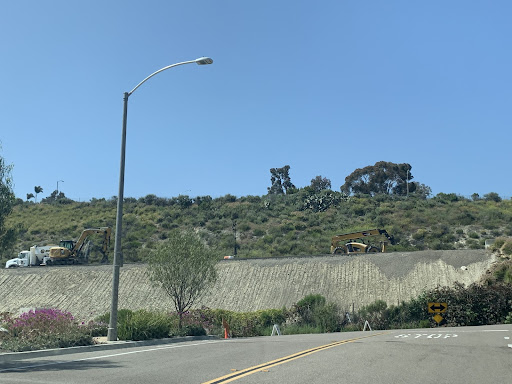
234 233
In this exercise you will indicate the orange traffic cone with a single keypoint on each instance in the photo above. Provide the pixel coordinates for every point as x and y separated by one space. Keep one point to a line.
226 329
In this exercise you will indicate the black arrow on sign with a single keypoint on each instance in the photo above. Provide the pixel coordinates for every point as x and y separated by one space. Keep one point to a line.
439 307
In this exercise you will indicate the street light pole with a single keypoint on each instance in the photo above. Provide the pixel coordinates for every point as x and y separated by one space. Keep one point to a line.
58 186
112 327
407 179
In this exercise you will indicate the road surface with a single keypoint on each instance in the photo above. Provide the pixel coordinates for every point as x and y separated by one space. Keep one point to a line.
440 355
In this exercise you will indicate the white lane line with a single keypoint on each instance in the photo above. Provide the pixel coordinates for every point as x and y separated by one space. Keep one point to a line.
491 330
111 355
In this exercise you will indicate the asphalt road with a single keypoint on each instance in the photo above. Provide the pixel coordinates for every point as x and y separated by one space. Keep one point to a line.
442 355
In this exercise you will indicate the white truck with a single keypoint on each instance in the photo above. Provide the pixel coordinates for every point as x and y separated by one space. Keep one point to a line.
36 256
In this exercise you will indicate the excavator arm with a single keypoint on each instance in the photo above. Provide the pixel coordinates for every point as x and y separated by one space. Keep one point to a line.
106 231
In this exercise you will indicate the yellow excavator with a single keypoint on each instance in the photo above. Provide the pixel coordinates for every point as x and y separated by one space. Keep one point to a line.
71 252
354 242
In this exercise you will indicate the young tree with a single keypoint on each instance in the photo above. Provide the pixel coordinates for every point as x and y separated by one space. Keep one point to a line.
184 268
7 200
30 196
280 181
38 189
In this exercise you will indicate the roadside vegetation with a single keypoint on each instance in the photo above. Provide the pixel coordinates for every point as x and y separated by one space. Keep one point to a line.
478 304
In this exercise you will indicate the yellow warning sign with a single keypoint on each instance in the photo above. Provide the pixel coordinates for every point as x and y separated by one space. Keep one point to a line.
437 307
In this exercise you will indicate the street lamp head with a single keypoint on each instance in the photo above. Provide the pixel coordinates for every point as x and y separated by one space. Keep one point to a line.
204 61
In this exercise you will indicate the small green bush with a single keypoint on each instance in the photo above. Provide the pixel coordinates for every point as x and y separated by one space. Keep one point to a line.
194 330
498 243
258 232
143 325
314 311
140 325
507 248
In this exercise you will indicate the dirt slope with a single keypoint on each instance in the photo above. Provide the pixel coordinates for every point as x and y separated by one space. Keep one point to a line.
246 285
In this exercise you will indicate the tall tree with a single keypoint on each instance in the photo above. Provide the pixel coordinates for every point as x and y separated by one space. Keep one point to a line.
280 181
7 200
38 189
320 183
184 268
382 178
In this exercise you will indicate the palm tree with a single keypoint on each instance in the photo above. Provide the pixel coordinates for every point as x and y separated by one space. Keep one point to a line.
38 189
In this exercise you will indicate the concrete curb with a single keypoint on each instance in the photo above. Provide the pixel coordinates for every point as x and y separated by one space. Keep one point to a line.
13 356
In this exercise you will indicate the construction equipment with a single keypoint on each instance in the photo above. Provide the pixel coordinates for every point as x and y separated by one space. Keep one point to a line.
350 243
38 255
71 252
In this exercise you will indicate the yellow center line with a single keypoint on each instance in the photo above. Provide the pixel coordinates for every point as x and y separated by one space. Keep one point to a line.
257 368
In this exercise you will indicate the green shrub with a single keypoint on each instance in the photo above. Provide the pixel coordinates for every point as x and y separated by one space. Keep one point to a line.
474 305
258 232
501 273
197 322
498 243
419 234
140 325
143 325
314 311
376 314
194 330
507 248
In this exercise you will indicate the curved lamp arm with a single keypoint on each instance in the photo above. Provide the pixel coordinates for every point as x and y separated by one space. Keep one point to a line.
200 61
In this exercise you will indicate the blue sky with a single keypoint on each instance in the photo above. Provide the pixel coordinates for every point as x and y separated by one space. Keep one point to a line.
325 87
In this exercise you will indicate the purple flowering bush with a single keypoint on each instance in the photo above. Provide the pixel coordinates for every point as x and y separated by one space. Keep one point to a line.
43 329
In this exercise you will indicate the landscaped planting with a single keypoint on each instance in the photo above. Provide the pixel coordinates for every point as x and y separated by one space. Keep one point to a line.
489 303
45 328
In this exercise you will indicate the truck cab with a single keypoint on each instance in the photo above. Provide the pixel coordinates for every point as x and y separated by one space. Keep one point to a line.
36 256
22 260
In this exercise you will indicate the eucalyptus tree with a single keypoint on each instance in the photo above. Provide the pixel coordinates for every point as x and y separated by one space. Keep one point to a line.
280 181
382 178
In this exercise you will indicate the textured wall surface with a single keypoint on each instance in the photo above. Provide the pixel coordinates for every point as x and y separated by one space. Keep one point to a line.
246 285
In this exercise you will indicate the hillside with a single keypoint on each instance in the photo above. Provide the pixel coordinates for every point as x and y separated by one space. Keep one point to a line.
247 285
268 226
